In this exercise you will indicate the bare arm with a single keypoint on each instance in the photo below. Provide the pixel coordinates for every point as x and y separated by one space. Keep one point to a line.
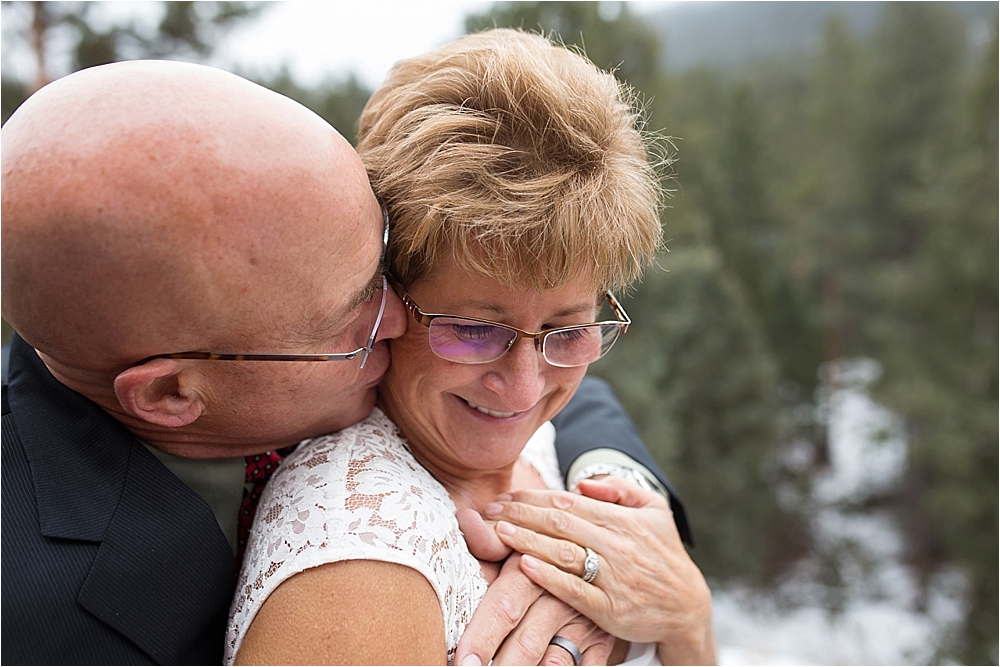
349 613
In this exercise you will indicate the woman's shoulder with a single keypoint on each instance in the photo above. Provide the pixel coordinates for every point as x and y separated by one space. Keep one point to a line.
353 490
376 436
357 494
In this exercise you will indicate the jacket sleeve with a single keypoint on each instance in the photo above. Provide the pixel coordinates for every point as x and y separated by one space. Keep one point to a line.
594 419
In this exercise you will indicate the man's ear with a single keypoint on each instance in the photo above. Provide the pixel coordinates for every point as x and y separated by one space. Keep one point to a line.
159 392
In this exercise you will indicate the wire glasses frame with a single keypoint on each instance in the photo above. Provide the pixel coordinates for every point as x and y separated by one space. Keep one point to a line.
342 356
471 340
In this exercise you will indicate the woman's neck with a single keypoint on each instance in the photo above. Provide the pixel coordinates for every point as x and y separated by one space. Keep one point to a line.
476 489
468 487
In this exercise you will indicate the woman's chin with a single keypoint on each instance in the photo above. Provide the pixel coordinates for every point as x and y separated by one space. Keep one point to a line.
484 451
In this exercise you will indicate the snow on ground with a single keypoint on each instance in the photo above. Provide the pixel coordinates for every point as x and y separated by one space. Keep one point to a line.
873 618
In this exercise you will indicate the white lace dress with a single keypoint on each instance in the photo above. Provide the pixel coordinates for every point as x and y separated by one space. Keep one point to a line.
360 494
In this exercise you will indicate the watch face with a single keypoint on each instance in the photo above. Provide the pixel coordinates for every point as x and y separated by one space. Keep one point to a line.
631 474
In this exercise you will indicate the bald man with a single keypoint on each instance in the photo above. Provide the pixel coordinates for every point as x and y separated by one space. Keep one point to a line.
155 215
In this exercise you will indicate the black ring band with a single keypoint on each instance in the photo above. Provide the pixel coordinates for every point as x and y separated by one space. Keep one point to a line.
569 647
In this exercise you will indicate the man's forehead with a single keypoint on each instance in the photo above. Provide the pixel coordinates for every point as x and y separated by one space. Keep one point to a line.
373 254
349 276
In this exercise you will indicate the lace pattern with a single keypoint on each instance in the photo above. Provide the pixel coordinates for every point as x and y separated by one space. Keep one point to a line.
360 494
357 494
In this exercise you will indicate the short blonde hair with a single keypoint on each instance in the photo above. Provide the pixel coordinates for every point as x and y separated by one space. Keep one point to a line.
519 158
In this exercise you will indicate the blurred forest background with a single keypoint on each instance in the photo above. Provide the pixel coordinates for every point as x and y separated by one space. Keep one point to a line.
834 200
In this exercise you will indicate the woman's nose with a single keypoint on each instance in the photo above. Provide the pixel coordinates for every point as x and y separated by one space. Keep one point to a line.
517 377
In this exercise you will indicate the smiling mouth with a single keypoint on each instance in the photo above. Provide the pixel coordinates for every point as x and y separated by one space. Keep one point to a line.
492 413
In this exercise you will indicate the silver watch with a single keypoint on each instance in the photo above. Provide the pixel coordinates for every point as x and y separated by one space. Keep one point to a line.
631 474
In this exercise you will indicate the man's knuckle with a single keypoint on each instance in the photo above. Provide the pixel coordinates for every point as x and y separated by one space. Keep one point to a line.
508 612
561 610
578 630
527 644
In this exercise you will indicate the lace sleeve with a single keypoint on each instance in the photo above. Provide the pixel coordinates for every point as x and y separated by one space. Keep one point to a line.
356 494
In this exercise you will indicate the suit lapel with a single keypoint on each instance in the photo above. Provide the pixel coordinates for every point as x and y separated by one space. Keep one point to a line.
78 454
163 575
156 580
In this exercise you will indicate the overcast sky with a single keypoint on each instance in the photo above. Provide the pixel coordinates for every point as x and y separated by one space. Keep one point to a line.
319 39
315 39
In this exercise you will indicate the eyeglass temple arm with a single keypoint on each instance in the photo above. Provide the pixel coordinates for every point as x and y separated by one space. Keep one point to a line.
618 310
378 321
226 356
404 296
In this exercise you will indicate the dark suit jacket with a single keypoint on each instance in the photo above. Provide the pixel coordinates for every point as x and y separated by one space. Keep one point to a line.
107 557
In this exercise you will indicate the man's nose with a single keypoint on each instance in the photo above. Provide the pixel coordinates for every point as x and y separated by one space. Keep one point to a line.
393 318
517 377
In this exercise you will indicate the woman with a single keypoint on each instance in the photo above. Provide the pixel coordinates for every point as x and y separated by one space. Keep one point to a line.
519 195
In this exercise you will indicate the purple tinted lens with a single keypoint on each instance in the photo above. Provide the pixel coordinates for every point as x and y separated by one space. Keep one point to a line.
468 341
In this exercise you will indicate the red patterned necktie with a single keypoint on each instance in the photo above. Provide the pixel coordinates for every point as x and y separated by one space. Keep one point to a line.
260 467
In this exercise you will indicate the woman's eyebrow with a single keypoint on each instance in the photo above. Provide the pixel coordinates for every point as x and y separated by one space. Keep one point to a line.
501 311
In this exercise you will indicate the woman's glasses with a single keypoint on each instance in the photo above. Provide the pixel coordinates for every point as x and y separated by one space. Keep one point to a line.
469 340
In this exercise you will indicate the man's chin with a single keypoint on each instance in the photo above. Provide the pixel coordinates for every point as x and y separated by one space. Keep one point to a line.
371 397
365 405
377 364
349 410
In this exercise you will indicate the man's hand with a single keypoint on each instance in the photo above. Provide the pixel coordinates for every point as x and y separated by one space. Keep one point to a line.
595 644
519 618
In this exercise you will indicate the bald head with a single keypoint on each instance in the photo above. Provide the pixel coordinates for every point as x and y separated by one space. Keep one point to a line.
153 207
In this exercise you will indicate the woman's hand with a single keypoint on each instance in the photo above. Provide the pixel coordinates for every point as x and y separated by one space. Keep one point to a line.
647 588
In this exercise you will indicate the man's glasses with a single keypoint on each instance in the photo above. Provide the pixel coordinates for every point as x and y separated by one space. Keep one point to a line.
341 356
470 340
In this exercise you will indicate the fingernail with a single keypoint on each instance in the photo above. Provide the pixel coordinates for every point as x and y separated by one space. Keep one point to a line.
471 659
505 528
504 498
493 509
529 561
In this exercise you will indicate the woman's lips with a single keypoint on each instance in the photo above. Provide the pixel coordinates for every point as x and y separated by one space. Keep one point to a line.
491 413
